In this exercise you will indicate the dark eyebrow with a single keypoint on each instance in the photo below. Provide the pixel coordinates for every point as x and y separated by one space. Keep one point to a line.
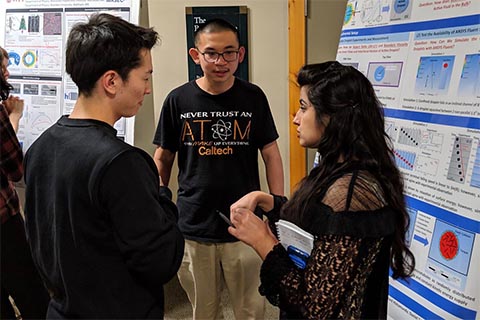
227 48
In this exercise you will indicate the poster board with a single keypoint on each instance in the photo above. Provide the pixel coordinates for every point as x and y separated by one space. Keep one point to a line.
34 33
236 15
423 59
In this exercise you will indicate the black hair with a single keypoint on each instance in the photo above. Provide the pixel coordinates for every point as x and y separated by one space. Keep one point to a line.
215 25
105 42
356 133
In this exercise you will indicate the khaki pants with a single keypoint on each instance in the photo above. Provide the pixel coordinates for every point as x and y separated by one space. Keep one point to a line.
204 268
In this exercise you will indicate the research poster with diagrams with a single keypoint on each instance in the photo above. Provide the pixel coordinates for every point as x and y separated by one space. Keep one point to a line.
34 33
423 59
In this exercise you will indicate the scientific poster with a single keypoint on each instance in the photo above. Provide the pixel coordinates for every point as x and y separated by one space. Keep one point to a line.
34 33
423 58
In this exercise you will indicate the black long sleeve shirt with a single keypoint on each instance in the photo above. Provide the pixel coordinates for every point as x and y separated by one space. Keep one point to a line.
102 232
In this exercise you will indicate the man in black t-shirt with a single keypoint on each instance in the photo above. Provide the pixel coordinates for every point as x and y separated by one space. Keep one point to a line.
217 124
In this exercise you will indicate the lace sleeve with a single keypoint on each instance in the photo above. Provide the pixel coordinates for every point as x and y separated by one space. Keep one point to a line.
314 293
355 193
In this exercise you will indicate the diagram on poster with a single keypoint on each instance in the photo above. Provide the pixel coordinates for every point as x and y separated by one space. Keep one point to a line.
402 9
450 254
433 75
470 78
475 182
385 74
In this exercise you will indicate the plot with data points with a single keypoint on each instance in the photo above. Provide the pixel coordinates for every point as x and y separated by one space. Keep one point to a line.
457 168
424 139
475 181
405 159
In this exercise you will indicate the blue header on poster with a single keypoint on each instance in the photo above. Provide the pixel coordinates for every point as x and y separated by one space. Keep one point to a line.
448 120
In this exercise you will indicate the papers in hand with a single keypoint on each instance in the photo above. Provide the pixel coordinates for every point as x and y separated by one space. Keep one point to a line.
297 242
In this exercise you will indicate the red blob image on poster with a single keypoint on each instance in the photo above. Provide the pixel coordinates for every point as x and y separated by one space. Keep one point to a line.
449 245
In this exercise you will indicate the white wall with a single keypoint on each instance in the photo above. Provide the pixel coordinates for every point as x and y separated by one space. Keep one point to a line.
144 120
324 25
268 57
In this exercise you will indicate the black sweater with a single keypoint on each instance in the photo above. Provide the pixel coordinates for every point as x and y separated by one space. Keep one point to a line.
103 234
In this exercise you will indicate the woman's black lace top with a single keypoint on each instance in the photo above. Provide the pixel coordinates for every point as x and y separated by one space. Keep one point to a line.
347 273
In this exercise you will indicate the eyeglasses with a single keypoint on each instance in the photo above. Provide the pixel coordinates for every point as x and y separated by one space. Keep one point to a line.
212 56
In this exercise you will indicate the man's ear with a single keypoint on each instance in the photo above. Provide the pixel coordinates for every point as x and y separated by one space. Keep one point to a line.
195 55
241 54
110 81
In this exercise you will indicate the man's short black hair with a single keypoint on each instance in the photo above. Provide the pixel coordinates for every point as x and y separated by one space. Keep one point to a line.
105 42
215 25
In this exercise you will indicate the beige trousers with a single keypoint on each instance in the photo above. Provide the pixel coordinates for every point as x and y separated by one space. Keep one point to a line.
206 266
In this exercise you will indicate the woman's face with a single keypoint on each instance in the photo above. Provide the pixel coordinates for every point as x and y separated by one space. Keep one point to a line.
310 130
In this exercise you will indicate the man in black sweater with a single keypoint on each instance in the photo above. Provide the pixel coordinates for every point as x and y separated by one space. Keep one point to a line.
102 231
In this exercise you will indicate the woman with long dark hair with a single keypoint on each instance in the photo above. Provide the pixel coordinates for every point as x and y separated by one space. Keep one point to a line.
352 203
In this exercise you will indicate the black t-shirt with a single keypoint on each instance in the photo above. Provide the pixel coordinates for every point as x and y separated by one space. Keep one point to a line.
217 138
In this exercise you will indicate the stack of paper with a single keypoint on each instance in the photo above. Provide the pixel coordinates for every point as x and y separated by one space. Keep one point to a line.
290 234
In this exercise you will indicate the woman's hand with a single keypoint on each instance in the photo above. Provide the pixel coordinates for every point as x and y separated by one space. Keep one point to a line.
14 107
252 230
